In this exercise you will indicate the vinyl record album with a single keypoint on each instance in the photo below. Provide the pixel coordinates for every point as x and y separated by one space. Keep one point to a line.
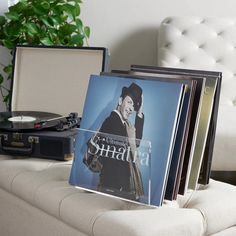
28 120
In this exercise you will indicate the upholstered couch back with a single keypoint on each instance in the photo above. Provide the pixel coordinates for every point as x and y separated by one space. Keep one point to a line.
207 44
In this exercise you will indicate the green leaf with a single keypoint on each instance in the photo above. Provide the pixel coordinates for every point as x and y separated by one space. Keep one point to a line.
2 20
40 11
67 29
32 28
77 40
57 20
87 31
8 44
46 21
77 10
79 24
45 5
58 2
57 10
46 41
6 98
12 16
69 10
8 69
51 21
53 33
12 29
18 7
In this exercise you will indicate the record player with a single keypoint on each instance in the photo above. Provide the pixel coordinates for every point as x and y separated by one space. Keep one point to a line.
48 90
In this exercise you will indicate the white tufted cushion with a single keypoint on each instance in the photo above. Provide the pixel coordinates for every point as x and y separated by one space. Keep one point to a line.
32 189
215 199
207 44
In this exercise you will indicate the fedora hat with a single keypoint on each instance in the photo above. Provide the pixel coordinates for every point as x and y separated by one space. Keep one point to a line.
135 92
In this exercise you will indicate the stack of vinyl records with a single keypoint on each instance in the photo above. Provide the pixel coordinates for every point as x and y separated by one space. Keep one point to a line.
147 134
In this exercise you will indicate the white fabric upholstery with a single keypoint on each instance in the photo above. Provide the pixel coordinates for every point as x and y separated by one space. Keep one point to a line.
217 204
228 232
19 218
44 184
163 222
208 44
37 192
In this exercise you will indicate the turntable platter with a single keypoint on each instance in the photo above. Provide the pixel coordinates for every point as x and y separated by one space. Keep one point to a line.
25 120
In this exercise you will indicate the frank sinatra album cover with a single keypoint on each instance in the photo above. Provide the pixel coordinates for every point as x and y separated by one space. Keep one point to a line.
125 141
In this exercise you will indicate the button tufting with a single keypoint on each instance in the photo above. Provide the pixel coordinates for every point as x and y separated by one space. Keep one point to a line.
218 60
202 21
167 21
220 33
234 102
201 46
167 45
184 32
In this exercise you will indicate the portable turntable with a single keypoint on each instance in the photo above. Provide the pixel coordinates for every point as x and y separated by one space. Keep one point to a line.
48 91
23 121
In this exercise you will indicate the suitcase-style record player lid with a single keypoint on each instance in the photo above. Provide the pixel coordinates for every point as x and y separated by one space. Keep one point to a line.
54 79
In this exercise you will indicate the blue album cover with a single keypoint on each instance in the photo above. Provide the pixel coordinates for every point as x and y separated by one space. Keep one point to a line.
124 144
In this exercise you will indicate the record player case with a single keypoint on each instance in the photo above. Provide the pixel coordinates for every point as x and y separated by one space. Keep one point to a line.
50 79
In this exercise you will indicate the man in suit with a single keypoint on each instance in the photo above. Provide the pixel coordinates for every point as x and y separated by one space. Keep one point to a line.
121 177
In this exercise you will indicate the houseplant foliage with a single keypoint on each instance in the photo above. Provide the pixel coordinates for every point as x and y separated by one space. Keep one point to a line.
40 22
